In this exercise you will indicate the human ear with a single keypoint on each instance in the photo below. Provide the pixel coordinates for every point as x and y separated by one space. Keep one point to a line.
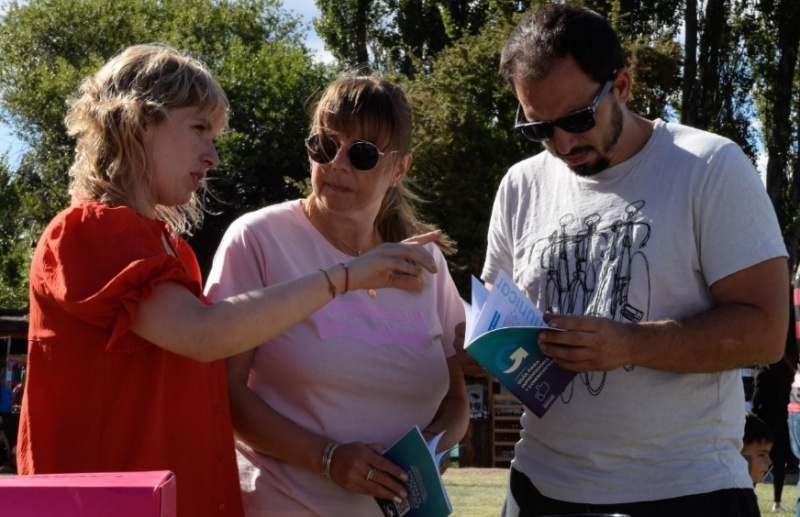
622 85
401 169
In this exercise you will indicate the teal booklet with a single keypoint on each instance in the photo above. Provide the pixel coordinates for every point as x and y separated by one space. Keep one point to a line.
426 493
502 335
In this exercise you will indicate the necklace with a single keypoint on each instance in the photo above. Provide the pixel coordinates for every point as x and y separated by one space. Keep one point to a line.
352 251
333 239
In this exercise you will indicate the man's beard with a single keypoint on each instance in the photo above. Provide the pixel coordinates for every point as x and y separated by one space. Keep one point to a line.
588 169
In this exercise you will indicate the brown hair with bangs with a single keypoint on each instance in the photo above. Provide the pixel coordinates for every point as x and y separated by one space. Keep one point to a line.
376 110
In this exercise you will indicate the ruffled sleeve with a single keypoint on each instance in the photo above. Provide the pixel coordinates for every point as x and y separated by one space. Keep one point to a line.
96 263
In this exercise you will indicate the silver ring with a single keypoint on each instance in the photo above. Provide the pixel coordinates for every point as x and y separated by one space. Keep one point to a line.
371 473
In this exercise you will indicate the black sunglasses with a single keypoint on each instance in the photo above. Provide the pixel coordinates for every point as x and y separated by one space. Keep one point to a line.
578 121
362 154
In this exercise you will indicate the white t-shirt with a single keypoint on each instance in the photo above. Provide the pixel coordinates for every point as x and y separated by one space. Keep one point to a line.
359 369
640 241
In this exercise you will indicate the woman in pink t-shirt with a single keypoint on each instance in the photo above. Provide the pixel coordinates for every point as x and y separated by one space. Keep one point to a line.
314 407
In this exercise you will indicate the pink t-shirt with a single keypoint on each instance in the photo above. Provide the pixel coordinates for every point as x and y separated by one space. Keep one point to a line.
359 369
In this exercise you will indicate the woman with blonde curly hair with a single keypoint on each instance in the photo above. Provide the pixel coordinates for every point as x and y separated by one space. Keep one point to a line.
124 365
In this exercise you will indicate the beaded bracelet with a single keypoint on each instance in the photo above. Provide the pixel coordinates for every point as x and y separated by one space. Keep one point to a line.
327 456
331 287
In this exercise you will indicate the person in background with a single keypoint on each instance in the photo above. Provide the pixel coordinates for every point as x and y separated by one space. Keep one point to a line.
656 252
117 312
794 392
19 393
6 398
5 446
6 406
770 404
314 407
756 446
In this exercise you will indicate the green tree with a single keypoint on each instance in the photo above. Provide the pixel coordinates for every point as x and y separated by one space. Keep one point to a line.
254 47
647 31
402 36
464 141
717 78
773 42
345 26
14 245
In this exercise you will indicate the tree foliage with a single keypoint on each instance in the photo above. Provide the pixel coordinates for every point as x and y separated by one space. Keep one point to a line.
463 142
773 42
717 91
14 245
396 36
345 25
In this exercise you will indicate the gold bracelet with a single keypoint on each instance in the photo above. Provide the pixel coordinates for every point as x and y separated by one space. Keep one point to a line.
331 287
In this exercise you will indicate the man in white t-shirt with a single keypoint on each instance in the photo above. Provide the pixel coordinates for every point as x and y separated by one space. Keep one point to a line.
655 246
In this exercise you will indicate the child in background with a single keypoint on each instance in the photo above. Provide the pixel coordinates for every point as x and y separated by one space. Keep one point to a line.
758 440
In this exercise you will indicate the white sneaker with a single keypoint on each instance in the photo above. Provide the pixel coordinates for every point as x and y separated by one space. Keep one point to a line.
777 508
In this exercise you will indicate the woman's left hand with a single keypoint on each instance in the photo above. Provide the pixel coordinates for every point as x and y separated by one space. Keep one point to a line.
359 467
393 264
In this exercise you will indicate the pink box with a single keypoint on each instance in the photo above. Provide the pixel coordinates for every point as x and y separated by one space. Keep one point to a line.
122 494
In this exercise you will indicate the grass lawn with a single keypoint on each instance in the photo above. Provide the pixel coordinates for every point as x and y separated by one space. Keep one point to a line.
476 492
480 492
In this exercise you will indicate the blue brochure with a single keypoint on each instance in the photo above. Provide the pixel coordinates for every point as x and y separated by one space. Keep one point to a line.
502 335
427 496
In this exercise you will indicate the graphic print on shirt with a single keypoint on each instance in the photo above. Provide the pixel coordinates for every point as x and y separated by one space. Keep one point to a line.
375 326
591 268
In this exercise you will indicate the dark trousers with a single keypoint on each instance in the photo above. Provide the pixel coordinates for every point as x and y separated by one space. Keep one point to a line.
524 500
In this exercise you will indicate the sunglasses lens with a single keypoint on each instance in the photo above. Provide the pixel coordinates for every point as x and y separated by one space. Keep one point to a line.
579 122
321 149
364 155
537 132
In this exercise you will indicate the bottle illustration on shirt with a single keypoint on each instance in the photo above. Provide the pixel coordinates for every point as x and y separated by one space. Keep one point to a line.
594 269
587 263
627 263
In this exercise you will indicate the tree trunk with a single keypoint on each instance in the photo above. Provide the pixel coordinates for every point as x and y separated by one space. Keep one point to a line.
362 21
689 104
711 45
779 181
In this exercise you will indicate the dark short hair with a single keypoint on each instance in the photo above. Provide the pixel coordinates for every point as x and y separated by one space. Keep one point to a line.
756 430
555 31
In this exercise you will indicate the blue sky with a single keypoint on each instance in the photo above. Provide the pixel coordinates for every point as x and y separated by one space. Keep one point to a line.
306 9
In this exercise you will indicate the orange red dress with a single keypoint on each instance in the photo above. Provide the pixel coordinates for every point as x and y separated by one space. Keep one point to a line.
98 397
